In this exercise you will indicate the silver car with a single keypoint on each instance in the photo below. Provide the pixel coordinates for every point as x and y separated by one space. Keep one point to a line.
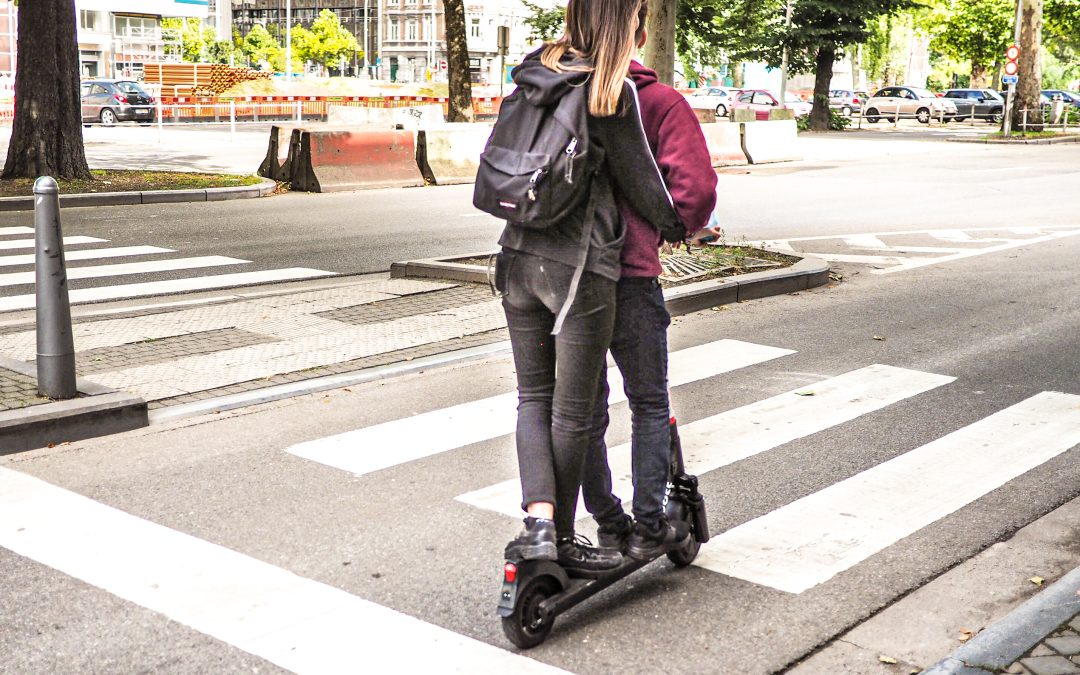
909 102
112 101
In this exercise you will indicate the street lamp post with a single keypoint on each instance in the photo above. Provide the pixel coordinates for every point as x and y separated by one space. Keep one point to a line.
784 58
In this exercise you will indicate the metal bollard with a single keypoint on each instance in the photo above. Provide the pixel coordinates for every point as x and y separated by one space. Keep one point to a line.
55 345
232 119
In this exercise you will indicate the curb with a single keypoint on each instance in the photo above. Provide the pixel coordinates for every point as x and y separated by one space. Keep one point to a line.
1031 141
809 272
261 189
98 412
992 650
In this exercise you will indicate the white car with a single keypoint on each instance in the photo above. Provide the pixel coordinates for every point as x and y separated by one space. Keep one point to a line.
916 102
717 99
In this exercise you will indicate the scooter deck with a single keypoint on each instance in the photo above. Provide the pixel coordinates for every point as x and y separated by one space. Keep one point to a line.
583 587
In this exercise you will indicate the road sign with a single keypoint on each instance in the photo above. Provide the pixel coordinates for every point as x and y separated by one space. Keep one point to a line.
1009 79
1013 52
1010 68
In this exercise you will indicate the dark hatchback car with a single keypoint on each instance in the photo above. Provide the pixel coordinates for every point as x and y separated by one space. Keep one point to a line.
112 101
983 104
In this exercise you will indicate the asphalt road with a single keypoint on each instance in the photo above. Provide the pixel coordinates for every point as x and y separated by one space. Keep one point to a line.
1003 325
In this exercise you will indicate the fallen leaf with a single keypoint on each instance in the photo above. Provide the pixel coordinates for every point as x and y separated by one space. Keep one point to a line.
879 338
804 393
965 635
347 389
887 659
1038 581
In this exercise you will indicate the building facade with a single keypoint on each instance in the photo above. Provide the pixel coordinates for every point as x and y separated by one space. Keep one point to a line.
414 39
359 17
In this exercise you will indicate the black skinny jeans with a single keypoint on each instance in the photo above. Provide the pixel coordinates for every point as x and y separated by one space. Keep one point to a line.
554 412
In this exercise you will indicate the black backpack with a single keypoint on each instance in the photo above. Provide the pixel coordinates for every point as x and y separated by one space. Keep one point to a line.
536 167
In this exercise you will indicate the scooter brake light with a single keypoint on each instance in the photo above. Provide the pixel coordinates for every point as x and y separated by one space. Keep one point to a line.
672 421
510 572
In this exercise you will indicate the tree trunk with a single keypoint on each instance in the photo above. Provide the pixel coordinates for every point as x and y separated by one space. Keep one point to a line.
660 47
856 67
457 62
978 75
819 116
996 81
46 135
737 74
1029 88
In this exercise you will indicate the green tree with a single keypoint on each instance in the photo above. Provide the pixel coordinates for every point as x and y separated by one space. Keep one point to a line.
193 38
545 24
330 41
260 47
975 30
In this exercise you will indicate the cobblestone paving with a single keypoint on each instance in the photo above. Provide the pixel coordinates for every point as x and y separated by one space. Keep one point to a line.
18 391
383 359
161 350
1057 654
397 308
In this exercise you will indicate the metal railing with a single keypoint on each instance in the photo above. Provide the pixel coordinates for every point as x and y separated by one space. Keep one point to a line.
895 115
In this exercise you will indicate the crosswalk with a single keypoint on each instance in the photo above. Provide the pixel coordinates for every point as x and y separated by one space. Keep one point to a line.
901 251
131 271
309 626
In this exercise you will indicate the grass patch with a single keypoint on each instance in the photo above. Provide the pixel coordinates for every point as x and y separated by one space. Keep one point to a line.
1030 134
109 180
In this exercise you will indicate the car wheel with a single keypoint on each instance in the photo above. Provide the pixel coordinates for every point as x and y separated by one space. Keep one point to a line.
923 115
996 116
846 111
721 110
872 115
108 117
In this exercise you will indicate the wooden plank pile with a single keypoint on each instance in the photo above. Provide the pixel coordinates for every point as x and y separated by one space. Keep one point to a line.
198 79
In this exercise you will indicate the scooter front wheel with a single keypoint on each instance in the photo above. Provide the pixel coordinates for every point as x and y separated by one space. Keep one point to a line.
685 554
527 626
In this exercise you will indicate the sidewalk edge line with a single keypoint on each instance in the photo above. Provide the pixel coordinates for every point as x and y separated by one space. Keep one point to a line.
261 189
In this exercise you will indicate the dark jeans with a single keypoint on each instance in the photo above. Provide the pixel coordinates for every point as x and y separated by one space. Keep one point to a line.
639 346
554 413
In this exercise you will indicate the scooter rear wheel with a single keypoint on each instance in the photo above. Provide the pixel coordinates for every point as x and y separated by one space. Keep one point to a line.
684 555
526 627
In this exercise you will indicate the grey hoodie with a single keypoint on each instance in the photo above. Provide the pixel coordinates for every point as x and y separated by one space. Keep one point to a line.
618 142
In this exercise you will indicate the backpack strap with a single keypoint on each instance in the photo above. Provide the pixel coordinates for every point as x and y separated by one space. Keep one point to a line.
579 270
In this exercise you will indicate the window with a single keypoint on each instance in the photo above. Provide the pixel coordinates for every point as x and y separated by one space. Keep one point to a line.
90 21
474 28
97 89
395 30
745 98
412 2
761 98
137 27
410 29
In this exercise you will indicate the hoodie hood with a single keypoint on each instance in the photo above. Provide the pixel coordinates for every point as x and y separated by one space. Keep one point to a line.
641 75
542 86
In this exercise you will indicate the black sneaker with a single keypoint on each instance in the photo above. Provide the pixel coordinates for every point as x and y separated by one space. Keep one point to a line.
614 534
646 544
579 555
536 541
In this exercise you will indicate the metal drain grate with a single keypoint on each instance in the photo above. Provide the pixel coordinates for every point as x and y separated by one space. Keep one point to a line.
680 266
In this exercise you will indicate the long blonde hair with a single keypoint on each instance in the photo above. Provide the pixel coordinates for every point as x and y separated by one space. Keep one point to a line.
606 33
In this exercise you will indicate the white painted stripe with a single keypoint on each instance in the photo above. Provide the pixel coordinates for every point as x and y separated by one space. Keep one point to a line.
861 259
10 231
171 286
101 271
912 263
403 440
866 241
293 622
809 541
726 438
29 243
87 254
948 235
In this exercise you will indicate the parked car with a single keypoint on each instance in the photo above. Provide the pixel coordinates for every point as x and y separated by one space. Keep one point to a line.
1044 100
983 104
717 99
761 101
1071 97
112 101
915 102
846 101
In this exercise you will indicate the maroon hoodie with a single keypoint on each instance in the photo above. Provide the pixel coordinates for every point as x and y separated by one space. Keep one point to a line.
674 134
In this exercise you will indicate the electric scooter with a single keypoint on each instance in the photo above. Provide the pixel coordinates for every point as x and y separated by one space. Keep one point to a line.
534 592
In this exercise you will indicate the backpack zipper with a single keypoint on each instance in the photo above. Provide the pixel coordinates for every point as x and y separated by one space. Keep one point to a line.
532 183
571 151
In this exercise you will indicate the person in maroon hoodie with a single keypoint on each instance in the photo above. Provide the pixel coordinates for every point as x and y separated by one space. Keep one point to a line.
639 343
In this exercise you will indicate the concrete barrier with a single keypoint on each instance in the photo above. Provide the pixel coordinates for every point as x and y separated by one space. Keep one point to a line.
724 140
705 116
781 114
412 117
450 153
276 164
336 160
743 115
775 141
